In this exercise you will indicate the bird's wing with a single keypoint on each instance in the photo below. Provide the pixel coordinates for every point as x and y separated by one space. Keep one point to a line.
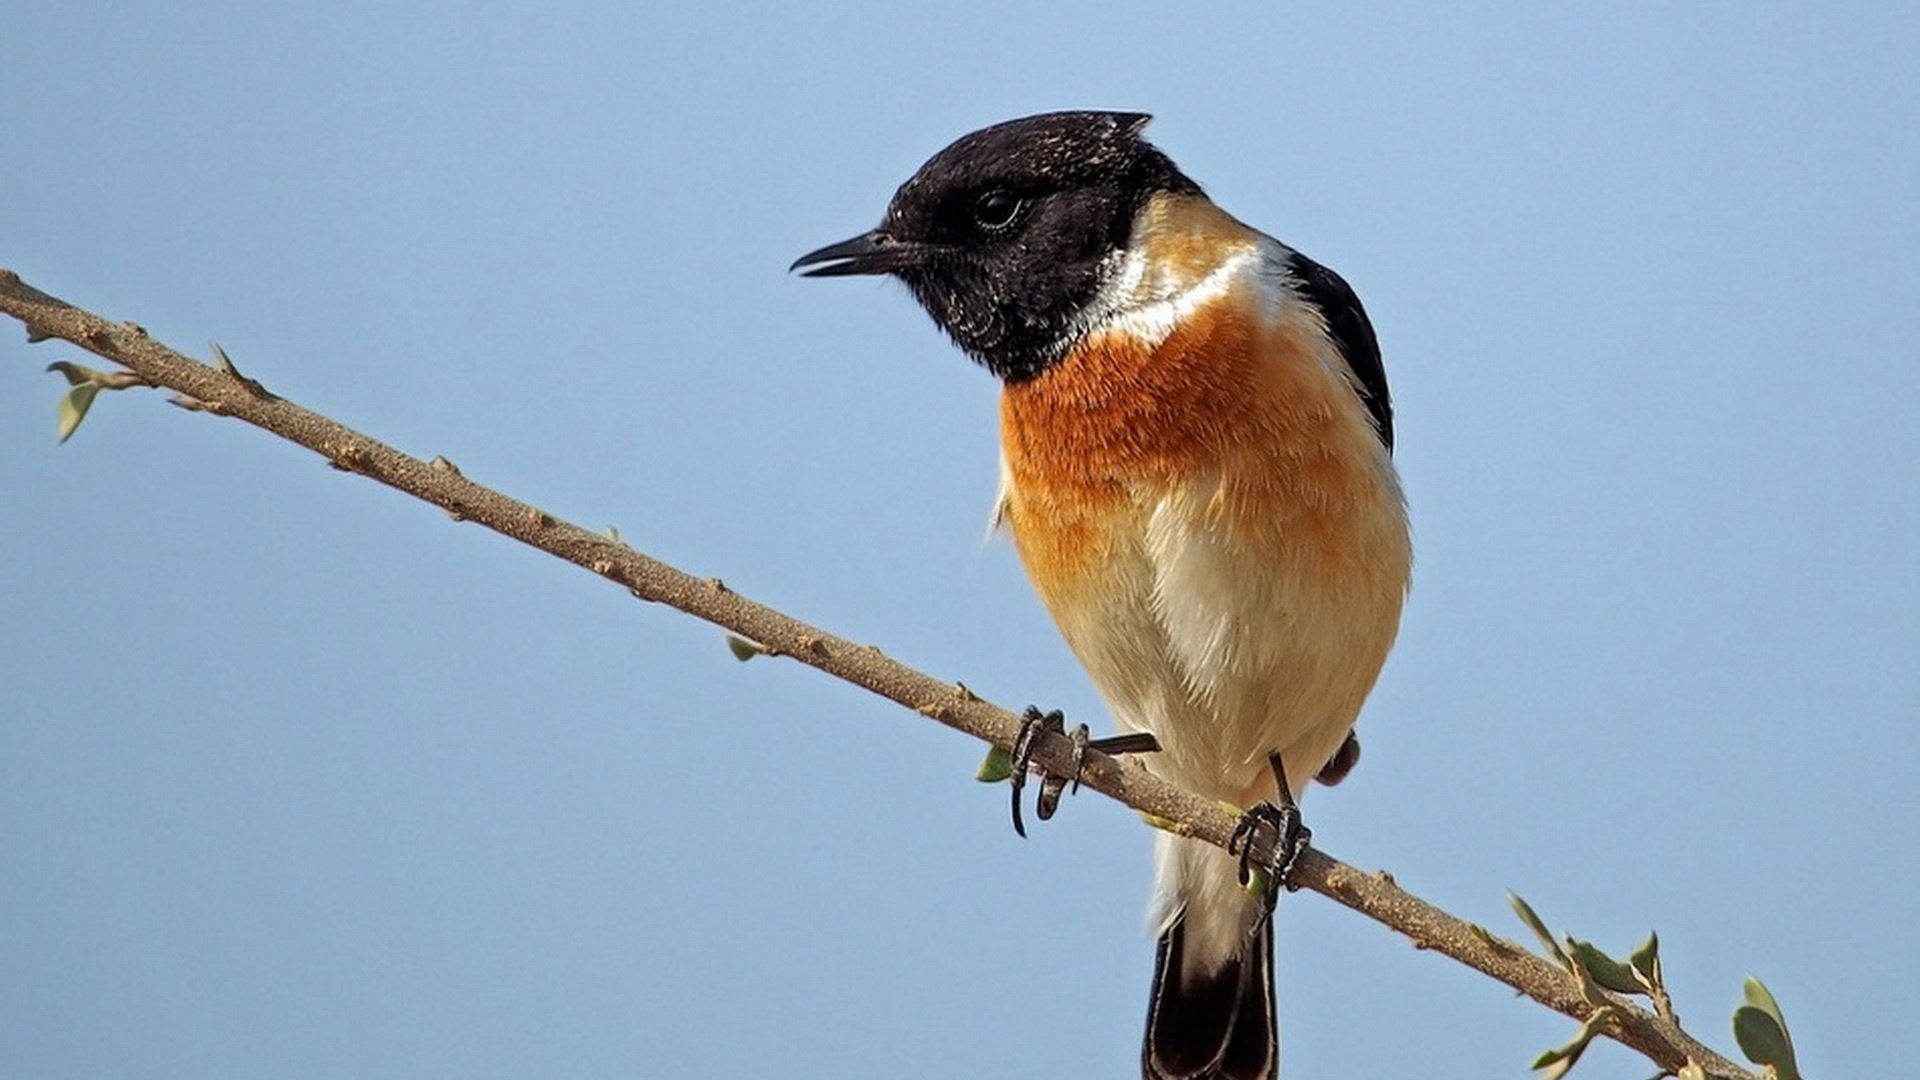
1352 332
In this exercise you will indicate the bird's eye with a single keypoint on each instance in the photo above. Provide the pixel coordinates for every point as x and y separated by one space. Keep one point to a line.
996 210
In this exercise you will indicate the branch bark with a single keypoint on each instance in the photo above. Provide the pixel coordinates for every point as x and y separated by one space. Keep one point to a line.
1375 895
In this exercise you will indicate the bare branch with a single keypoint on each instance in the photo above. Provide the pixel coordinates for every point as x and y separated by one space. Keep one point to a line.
224 392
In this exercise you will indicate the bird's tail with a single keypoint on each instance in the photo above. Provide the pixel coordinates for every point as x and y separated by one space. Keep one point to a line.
1212 1025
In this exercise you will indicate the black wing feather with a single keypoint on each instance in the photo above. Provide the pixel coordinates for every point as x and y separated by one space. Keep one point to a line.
1347 324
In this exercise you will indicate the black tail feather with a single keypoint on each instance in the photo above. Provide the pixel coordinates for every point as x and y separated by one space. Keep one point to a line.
1218 1026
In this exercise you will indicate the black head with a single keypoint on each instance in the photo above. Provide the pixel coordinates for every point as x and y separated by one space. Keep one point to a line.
1007 235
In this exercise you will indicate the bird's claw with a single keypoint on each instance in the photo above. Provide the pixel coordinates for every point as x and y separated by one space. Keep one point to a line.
1037 724
1291 838
1051 786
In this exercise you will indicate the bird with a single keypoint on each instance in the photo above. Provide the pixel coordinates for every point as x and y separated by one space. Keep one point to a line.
1197 471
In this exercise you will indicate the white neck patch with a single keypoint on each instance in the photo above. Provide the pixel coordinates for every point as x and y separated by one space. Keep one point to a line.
1147 305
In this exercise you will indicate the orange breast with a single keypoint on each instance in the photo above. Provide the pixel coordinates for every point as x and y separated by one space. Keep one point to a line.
1231 397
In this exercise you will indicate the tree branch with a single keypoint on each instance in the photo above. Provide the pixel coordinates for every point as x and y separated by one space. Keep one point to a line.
227 393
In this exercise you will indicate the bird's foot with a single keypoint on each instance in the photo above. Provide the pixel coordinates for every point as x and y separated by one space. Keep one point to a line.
1291 838
1051 786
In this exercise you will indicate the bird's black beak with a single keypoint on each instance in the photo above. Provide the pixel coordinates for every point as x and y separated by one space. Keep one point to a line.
870 253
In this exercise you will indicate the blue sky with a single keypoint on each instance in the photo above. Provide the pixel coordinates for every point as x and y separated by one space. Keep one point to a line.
300 779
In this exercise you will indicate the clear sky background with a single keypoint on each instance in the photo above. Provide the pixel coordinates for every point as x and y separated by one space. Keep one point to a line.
300 779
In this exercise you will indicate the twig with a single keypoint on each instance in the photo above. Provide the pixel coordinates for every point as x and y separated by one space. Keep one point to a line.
226 393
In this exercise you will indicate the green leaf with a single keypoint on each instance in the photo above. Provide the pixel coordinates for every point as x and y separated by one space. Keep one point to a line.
997 766
1166 825
1761 1030
1525 911
1761 998
744 650
1589 989
74 373
1548 1057
1258 883
1646 961
1606 971
1559 1061
1761 1038
84 384
1560 1068
73 407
